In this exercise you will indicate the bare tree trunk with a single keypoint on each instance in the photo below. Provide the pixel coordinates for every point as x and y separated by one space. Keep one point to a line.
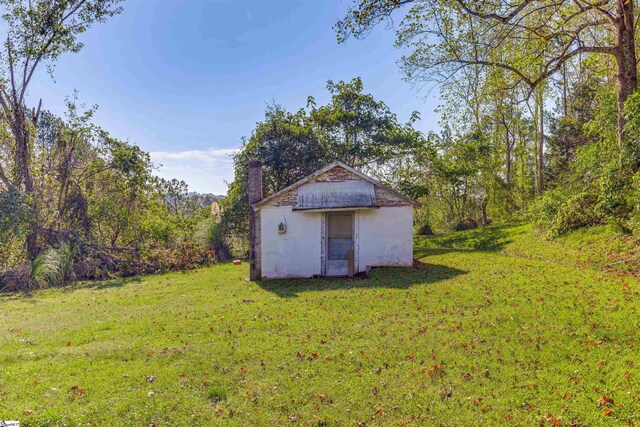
626 61
23 159
540 145
565 108
507 155
485 202
508 149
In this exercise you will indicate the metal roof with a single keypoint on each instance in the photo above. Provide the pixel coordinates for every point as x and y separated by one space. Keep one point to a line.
341 194
355 172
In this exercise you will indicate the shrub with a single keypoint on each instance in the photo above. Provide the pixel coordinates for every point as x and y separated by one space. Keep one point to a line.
467 224
210 232
545 209
425 230
578 211
56 267
16 280
181 256
114 263
615 183
99 265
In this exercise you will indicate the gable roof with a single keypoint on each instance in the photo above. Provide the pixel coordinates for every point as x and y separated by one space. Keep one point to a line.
326 169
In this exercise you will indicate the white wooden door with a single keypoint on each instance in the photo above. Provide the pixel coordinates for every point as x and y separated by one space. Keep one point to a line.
339 243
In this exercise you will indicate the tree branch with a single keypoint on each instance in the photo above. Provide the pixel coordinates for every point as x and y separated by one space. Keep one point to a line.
495 16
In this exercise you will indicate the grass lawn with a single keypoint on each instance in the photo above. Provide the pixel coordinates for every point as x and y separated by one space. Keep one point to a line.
501 328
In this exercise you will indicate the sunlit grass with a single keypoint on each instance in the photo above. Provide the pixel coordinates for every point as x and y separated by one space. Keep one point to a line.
501 328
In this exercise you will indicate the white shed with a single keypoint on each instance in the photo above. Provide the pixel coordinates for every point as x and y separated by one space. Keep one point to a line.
335 222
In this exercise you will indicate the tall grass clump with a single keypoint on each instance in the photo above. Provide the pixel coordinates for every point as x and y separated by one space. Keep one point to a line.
211 233
53 267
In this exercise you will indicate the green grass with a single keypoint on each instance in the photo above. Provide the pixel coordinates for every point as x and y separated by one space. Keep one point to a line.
501 328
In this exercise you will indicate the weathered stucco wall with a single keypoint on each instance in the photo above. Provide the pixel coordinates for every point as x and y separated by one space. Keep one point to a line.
384 237
297 253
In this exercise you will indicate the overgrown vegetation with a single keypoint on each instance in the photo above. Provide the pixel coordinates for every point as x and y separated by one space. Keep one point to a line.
101 212
505 152
500 327
540 122
76 203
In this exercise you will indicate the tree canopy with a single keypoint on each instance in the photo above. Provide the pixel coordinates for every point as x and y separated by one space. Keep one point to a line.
529 39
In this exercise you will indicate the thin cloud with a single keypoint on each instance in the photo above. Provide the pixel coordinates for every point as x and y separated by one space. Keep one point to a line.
212 154
205 171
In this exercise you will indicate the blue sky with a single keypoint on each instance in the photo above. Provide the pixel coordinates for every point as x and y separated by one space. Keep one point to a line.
187 79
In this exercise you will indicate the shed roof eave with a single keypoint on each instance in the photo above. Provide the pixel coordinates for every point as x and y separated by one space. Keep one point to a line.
337 209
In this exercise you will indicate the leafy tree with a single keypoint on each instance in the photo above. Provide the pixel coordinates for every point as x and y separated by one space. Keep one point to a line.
530 39
358 130
289 150
38 33
353 127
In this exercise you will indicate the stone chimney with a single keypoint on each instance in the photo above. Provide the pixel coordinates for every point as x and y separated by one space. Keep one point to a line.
255 195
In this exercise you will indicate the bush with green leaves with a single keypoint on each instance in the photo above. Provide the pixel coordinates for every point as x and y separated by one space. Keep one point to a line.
577 212
544 209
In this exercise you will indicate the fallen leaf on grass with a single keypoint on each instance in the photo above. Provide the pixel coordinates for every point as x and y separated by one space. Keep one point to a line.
605 401
554 421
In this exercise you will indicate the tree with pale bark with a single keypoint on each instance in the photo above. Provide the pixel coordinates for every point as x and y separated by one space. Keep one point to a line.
530 39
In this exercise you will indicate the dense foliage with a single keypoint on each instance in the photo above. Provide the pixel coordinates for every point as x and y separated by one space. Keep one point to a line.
75 202
101 212
540 121
353 127
540 114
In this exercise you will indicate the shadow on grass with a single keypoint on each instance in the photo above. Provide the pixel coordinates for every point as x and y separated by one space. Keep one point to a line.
32 296
104 284
487 239
395 278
